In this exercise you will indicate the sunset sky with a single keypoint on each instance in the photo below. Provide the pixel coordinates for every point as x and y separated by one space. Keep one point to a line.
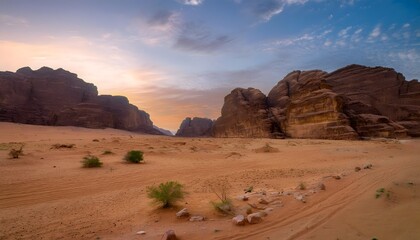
179 58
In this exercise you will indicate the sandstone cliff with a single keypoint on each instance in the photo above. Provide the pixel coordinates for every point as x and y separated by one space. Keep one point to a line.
245 114
60 98
196 127
352 102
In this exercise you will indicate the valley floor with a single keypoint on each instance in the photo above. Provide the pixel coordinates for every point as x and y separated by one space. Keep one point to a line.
46 194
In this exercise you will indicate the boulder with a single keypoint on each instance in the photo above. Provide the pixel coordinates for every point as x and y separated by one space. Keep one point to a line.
239 220
196 127
59 98
254 218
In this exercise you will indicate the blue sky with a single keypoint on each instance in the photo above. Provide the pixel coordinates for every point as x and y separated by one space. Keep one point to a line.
179 58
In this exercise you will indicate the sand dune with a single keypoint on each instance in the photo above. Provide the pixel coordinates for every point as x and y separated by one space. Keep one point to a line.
46 194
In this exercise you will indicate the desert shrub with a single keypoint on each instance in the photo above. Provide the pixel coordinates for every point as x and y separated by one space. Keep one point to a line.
220 187
249 189
134 156
223 206
58 146
91 162
166 194
302 186
379 192
107 152
15 153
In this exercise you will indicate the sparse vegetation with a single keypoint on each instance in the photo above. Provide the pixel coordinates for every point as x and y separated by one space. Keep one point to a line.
58 146
220 188
134 156
107 152
91 162
248 189
166 194
302 186
15 153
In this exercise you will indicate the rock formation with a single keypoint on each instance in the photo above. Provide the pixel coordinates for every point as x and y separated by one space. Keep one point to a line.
352 102
60 98
245 114
196 127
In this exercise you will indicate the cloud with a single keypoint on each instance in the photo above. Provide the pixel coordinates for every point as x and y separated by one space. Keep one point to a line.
407 55
375 33
290 41
327 43
264 10
191 2
195 37
406 25
356 37
344 32
164 20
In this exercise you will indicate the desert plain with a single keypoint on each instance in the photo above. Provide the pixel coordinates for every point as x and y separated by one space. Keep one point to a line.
46 194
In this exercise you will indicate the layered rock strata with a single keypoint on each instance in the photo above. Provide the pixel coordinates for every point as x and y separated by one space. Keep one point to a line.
60 98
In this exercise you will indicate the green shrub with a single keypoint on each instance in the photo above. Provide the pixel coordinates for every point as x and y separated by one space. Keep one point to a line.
134 156
91 162
166 194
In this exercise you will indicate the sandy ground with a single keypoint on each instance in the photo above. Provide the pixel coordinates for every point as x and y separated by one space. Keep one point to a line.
46 194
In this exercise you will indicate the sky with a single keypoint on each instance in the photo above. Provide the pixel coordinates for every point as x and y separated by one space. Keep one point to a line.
179 58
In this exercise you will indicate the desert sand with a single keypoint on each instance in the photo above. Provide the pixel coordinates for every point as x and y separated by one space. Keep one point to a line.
46 194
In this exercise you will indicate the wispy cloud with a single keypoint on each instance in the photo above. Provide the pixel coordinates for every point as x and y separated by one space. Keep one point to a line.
344 32
375 33
191 2
195 37
267 9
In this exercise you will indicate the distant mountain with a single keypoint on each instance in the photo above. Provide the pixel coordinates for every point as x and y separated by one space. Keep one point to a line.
350 103
60 98
196 127
163 131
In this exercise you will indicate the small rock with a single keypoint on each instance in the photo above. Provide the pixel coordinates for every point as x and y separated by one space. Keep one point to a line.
254 218
267 210
300 198
183 213
196 218
239 220
263 201
141 232
367 166
243 198
356 169
337 177
169 235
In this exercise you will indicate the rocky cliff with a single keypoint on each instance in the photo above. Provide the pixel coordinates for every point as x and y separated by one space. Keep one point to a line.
352 102
60 98
196 127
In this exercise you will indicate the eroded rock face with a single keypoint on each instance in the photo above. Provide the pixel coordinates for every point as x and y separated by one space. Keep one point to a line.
306 107
380 102
245 114
352 102
196 127
59 97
